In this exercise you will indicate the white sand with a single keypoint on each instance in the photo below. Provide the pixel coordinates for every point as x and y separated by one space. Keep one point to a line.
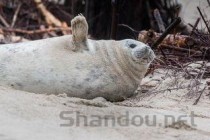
36 116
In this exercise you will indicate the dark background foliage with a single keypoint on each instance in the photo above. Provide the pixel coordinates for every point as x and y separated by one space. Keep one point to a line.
137 14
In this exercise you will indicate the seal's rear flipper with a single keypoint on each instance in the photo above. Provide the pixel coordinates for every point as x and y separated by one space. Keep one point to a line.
79 27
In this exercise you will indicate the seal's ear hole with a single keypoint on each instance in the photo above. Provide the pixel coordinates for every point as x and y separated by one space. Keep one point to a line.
132 46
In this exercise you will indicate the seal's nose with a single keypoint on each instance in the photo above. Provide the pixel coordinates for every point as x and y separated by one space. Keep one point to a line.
142 51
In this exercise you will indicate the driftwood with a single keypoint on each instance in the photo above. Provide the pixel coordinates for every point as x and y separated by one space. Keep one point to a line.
6 24
171 39
11 39
178 43
44 20
15 15
50 18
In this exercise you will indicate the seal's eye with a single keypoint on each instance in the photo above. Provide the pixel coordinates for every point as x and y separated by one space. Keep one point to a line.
132 46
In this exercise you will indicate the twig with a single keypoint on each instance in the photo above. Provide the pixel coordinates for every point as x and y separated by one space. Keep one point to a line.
167 31
195 26
130 28
199 97
207 26
135 33
4 21
35 31
114 19
180 49
198 77
15 15
168 89
192 27
208 2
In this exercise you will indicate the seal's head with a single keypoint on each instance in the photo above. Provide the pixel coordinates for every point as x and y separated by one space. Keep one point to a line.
140 52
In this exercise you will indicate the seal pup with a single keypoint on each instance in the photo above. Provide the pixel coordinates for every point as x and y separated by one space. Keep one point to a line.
76 65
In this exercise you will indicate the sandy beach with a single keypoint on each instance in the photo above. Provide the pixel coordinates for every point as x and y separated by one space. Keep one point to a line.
168 106
167 114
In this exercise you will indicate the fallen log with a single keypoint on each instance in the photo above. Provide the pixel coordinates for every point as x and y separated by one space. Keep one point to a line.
171 39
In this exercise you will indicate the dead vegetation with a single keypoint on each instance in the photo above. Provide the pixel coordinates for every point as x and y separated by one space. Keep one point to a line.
184 56
32 20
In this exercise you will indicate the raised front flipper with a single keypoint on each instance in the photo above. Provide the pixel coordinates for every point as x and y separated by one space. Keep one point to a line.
79 27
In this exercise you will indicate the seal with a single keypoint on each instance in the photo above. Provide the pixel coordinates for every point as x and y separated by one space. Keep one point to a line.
76 65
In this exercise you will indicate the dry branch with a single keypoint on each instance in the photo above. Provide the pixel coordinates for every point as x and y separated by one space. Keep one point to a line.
175 40
15 15
50 18
180 49
199 97
4 21
40 31
195 26
204 20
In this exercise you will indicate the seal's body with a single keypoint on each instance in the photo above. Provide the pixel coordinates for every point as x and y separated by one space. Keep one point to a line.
80 68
